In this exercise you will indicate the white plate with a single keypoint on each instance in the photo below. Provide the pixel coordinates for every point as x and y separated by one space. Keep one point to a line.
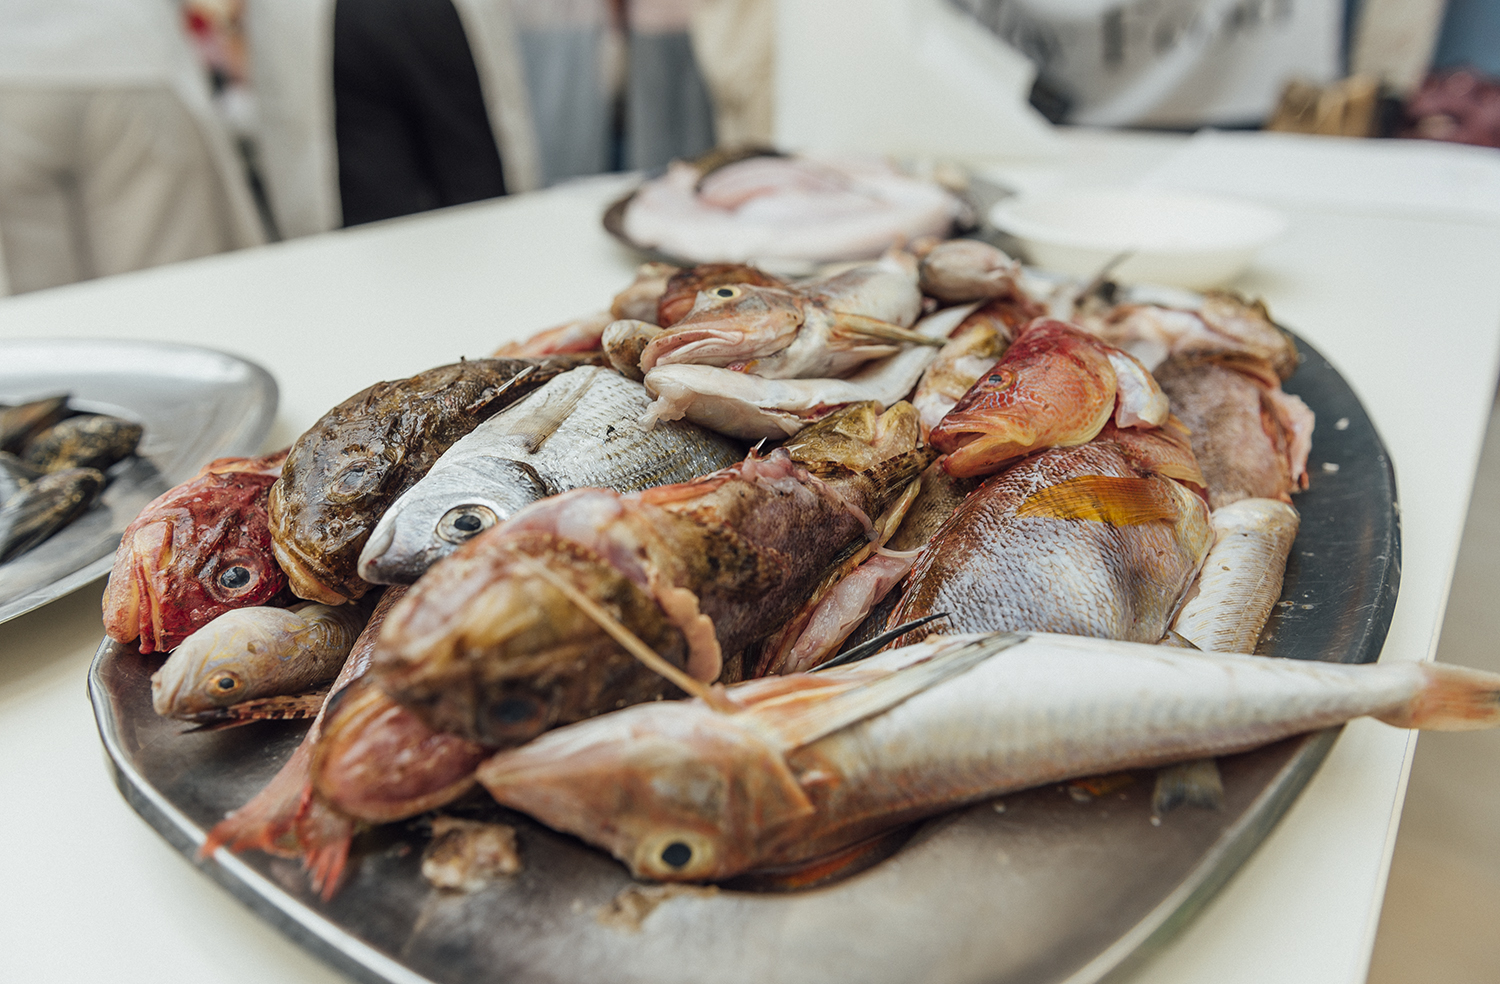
1186 240
195 405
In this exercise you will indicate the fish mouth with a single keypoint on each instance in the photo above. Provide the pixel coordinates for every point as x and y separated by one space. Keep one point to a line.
710 346
386 560
307 578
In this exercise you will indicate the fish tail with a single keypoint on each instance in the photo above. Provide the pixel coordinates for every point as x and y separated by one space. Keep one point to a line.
324 835
266 822
1452 698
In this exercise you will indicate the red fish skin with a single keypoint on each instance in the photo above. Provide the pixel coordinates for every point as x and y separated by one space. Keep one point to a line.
175 569
1054 387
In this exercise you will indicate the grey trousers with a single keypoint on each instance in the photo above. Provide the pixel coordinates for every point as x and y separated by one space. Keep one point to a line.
103 181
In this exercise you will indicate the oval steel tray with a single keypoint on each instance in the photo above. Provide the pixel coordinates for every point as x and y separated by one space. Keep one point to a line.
195 404
1056 886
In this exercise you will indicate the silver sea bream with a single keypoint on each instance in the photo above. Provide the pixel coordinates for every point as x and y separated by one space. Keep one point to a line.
581 430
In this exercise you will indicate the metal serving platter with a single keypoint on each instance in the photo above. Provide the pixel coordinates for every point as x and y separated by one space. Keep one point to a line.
1051 885
195 405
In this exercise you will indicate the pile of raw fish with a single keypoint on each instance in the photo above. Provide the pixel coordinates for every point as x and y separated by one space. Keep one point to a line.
763 206
53 464
505 565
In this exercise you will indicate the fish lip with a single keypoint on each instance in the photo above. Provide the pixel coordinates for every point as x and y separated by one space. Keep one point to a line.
307 578
378 565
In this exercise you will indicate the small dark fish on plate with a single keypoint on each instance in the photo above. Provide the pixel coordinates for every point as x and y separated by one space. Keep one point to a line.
46 506
88 441
19 424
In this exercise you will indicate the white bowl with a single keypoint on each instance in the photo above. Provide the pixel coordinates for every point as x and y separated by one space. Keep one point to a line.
1177 238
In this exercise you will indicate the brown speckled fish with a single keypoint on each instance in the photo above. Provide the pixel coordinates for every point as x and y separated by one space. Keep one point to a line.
485 648
341 475
195 552
1091 540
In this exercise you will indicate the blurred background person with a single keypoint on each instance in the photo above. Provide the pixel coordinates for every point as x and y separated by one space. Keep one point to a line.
111 158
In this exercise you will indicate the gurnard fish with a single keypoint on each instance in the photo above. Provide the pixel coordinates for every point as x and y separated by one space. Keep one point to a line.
805 765
680 293
1056 386
340 476
817 329
86 441
485 648
194 552
42 507
580 430
19 424
1250 438
750 407
395 760
249 654
1098 540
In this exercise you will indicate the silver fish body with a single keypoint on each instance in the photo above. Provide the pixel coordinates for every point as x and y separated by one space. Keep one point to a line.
1241 577
581 430
812 763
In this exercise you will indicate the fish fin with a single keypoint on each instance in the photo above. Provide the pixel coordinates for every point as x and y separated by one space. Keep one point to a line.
325 836
872 646
1453 698
267 821
1177 640
1103 499
801 723
489 396
1195 783
545 418
286 707
825 869
860 326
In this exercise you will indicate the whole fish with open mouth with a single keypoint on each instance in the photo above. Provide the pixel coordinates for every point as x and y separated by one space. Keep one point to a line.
581 430
822 328
250 654
1056 386
194 552
790 769
751 407
484 647
1098 540
340 476
44 506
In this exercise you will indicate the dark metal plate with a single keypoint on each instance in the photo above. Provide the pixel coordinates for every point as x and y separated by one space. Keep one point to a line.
195 405
1047 889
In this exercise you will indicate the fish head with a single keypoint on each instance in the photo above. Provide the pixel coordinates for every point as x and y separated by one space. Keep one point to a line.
200 550
1054 387
483 647
434 518
728 324
681 291
676 790
324 505
214 667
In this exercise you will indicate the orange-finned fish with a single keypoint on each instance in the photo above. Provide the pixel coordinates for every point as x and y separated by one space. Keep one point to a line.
811 763
1056 386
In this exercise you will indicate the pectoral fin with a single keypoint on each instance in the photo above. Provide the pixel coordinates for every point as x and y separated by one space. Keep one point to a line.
799 723
862 327
1103 499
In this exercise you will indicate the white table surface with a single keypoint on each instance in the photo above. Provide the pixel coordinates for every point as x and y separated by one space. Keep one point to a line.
1407 308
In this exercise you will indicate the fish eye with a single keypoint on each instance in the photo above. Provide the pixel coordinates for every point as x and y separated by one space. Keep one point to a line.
464 522
676 854
236 577
356 478
223 684
727 292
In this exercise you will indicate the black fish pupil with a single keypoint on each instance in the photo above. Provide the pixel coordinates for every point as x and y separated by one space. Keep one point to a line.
724 292
514 710
226 683
677 854
468 523
235 577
